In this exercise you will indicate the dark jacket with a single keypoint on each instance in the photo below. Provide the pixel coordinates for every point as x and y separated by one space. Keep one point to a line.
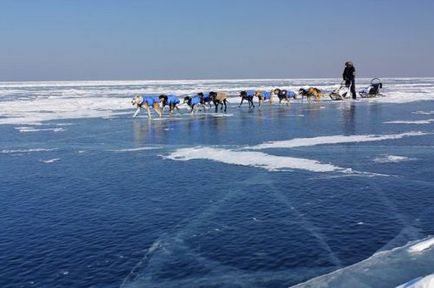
349 73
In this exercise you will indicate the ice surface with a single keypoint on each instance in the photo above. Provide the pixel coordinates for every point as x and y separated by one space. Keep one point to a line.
35 102
384 269
253 201
243 156
420 282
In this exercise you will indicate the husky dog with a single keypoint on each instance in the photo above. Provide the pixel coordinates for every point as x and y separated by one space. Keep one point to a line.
170 100
193 102
310 93
205 99
247 95
219 98
146 102
263 96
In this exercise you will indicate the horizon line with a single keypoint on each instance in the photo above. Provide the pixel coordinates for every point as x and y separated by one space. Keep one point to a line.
214 79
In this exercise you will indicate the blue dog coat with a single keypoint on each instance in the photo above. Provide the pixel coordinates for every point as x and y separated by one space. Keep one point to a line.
250 93
172 100
195 100
150 100
206 96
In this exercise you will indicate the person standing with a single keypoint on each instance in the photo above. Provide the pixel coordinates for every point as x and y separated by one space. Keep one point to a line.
349 76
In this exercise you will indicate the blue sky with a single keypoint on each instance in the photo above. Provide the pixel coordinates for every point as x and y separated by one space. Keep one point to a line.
207 39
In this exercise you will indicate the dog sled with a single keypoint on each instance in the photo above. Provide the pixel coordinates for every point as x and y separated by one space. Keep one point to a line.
340 93
373 90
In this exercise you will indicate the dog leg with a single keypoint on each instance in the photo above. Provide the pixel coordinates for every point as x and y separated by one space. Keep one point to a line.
137 112
157 109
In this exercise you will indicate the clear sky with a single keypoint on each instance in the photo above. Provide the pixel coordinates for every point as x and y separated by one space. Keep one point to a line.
207 39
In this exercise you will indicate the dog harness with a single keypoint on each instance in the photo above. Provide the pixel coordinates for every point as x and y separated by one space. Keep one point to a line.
194 100
206 96
251 93
172 100
150 100
140 101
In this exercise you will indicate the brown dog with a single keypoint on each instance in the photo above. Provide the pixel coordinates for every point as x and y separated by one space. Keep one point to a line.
310 93
219 98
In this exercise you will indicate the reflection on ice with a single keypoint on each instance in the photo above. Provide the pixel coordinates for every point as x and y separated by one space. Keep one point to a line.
135 149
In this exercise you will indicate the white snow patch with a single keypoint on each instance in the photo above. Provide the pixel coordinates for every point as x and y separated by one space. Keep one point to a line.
424 112
419 247
50 160
427 121
33 129
420 282
253 159
338 139
391 159
6 151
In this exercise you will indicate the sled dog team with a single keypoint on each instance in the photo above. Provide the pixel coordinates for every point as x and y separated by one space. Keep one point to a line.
219 99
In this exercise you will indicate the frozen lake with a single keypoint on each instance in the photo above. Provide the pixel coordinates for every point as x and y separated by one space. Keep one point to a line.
91 197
